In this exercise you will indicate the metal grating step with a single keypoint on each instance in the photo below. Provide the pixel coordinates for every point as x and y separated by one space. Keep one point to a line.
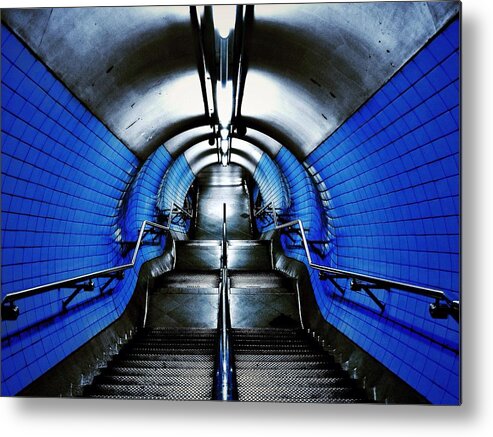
286 359
268 342
174 342
160 372
167 397
181 331
184 339
291 381
268 332
150 392
299 394
277 350
275 373
170 349
167 363
184 380
164 357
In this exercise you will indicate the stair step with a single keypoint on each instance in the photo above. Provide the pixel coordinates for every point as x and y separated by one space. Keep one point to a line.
248 243
136 363
181 331
278 350
188 279
169 350
299 394
282 366
269 342
182 380
184 339
267 331
163 358
175 341
278 373
258 281
247 257
286 358
260 291
166 372
150 392
282 381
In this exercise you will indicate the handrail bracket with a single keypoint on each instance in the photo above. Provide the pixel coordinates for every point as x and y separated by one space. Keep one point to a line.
440 309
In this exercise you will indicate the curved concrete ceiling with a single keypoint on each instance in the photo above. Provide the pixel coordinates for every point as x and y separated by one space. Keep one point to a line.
134 67
309 66
243 153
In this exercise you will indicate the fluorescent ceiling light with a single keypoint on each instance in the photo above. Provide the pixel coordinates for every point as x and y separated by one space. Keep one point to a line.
224 133
224 19
224 160
224 146
224 100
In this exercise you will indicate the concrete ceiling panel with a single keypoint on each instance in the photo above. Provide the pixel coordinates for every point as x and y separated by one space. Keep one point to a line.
310 66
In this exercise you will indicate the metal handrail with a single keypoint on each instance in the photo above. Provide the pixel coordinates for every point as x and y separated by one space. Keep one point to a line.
180 209
437 309
272 206
225 378
224 242
76 280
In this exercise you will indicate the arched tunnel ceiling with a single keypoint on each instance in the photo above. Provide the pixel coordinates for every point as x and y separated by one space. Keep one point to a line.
134 67
309 65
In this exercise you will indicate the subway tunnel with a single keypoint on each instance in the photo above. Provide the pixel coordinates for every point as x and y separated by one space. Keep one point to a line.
271 191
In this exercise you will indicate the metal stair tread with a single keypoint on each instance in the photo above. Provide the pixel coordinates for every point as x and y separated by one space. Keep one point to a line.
160 380
328 393
164 364
158 371
151 391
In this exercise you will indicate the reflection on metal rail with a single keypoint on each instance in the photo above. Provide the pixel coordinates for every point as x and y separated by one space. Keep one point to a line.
225 374
79 283
440 309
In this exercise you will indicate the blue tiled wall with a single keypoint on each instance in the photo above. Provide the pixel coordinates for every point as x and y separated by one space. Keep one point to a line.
174 188
272 187
391 174
305 204
64 176
140 203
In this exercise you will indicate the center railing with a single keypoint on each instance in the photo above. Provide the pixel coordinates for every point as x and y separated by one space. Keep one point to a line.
225 373
441 308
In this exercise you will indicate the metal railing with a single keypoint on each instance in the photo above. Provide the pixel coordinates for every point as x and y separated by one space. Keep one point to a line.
79 283
269 207
225 373
440 309
174 210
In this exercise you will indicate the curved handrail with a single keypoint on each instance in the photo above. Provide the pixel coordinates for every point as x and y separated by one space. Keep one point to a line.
437 309
71 282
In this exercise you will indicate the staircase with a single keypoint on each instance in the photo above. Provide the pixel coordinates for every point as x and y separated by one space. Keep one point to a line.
285 365
174 357
184 352
160 363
